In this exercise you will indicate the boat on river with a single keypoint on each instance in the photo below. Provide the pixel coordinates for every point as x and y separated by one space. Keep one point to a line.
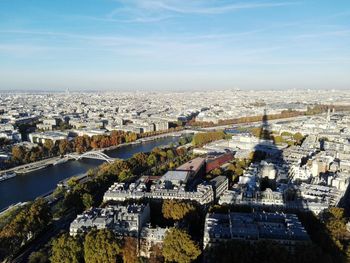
6 176
62 160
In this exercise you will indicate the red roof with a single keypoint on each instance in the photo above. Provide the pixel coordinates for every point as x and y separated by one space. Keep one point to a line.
193 165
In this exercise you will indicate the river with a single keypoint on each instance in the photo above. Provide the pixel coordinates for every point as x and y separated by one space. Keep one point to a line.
29 186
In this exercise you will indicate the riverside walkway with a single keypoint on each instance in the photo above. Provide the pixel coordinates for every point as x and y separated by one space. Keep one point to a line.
26 168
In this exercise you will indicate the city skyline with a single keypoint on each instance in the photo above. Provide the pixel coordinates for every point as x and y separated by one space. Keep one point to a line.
174 45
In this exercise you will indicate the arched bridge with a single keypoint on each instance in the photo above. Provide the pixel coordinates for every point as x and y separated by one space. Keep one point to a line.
97 155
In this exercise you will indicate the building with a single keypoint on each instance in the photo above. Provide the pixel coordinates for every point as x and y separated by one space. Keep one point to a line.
11 135
215 161
339 180
204 193
246 142
268 170
49 124
150 237
175 178
41 137
297 173
284 229
161 125
194 166
123 220
220 185
89 132
320 193
251 197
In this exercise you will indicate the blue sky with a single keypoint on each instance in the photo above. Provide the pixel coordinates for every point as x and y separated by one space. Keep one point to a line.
174 44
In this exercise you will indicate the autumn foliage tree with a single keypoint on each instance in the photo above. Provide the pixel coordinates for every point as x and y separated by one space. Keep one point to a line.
179 247
176 210
25 226
38 257
66 249
202 138
334 219
18 153
130 250
101 246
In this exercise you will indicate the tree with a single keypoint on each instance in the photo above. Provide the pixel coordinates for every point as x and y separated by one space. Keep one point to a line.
35 154
38 217
66 249
176 210
156 254
101 246
347 252
48 145
151 160
179 247
182 141
200 139
38 257
26 225
63 146
239 171
334 212
169 154
124 175
73 181
73 200
88 200
256 131
298 137
18 153
216 172
335 223
129 250
140 159
278 139
286 134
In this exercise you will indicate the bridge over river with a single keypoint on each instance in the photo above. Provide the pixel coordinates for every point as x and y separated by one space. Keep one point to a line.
97 155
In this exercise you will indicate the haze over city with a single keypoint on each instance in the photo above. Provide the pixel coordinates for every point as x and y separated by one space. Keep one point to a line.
174 45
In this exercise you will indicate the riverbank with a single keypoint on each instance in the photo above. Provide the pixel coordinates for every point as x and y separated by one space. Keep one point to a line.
147 139
34 166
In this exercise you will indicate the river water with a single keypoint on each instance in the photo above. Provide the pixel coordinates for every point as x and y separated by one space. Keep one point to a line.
29 186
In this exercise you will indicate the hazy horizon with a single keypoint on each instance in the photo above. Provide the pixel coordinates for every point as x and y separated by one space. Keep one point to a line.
174 45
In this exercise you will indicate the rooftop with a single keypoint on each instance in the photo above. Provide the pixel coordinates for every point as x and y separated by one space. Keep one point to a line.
192 165
175 176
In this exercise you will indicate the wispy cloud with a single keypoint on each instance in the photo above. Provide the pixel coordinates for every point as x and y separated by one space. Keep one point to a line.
154 11
335 33
150 11
216 9
141 40
130 19
199 7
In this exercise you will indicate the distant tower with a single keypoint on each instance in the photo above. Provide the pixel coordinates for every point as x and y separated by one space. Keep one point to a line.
67 92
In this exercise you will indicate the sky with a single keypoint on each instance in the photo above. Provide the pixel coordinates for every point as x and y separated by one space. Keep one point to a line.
174 44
